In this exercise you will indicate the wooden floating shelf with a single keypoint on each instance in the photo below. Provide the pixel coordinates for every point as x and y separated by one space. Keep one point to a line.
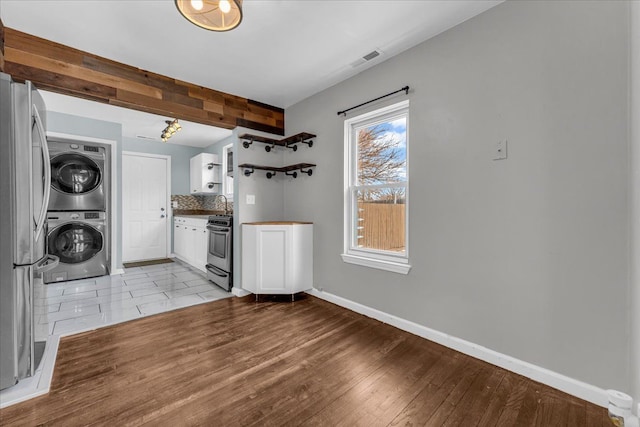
290 170
289 142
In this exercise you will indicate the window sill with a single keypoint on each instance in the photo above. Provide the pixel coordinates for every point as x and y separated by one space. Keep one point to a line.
396 267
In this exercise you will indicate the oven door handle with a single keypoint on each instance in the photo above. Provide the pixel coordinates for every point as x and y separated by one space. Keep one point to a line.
218 230
214 270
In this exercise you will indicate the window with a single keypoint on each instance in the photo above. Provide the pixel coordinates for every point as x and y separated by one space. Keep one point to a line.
376 189
227 180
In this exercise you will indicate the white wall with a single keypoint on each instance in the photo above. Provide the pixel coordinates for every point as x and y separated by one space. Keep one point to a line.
527 256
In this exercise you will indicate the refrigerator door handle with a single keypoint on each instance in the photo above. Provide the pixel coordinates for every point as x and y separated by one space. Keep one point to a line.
47 263
47 173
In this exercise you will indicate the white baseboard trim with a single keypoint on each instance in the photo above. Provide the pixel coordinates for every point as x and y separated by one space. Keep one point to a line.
239 292
553 379
117 271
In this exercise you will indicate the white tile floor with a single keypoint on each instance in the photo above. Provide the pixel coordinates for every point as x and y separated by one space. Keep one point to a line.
79 305
66 308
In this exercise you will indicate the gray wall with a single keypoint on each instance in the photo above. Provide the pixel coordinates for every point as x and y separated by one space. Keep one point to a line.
180 158
82 126
269 193
634 186
526 256
217 147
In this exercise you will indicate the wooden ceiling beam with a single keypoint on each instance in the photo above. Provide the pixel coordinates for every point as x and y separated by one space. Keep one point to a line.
1 46
63 69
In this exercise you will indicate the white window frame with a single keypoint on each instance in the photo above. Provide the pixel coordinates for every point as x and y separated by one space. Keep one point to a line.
225 178
383 260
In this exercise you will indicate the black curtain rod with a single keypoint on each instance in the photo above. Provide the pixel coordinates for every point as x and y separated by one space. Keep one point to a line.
405 89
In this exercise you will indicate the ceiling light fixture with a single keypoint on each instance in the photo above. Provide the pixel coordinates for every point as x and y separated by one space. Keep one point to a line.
172 127
214 15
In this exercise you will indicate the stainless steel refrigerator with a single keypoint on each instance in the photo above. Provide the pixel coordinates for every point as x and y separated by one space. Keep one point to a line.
25 182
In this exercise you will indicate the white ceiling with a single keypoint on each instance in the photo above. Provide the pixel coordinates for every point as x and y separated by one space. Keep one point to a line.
136 124
283 51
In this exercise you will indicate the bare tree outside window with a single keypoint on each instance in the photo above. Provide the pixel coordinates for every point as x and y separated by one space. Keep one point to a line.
380 157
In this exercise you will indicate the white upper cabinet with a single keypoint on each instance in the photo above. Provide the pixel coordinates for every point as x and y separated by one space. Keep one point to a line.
205 174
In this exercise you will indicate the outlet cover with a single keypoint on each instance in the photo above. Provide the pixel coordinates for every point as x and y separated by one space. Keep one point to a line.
500 152
251 199
174 204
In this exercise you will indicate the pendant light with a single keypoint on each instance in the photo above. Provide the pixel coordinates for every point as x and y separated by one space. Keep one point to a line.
214 15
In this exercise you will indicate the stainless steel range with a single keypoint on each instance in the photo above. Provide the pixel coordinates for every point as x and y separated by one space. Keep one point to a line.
220 251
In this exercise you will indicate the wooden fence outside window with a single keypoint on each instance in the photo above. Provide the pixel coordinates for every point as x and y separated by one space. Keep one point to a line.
381 226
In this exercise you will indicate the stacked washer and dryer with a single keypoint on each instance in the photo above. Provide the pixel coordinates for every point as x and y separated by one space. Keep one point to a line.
78 212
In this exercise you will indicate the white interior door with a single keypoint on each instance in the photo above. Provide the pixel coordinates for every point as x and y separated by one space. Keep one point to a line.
144 206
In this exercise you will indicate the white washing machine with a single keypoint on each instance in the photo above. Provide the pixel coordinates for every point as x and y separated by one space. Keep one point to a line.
79 239
78 176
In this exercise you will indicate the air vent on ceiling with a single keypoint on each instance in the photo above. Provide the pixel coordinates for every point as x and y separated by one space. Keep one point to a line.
146 137
368 57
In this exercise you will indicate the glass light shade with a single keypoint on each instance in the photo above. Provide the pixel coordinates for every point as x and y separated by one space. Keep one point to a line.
224 6
211 16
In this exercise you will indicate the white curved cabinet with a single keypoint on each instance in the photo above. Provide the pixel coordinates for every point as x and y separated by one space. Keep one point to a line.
277 257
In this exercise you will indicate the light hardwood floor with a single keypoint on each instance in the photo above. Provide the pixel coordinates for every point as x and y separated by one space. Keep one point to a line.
237 362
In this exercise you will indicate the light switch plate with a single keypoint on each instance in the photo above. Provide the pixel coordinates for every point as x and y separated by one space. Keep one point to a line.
500 152
174 204
251 199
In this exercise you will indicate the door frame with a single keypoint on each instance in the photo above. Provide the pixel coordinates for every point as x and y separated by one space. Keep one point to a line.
115 217
168 184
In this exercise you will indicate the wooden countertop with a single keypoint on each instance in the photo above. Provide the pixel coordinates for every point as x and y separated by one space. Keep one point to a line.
276 223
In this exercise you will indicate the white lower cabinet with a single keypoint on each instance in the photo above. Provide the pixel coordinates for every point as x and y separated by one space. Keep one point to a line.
190 240
277 257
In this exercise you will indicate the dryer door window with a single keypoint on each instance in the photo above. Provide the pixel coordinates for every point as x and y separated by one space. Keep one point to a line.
73 173
75 242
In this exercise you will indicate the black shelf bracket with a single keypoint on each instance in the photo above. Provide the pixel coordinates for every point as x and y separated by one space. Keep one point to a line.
269 147
270 175
308 171
293 174
248 171
246 144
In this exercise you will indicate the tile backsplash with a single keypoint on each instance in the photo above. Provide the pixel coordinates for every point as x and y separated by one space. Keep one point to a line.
200 202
